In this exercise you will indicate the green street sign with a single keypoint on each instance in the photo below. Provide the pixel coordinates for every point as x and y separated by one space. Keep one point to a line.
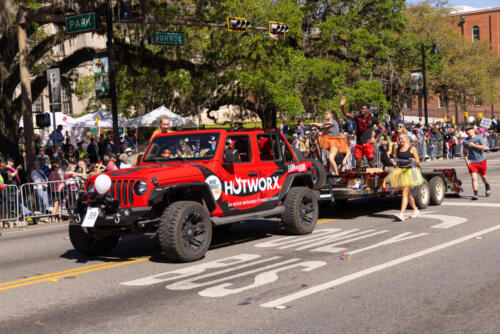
80 23
168 38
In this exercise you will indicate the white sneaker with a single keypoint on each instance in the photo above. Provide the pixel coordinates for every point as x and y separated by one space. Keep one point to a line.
415 214
400 217
357 185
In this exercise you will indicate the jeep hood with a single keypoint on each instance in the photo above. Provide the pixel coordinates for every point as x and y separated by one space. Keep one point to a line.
162 173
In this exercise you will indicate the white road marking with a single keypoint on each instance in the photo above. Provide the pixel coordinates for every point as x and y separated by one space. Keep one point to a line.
447 221
195 270
482 205
393 240
371 270
261 279
190 283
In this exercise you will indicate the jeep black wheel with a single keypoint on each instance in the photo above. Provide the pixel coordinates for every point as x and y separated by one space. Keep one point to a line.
301 211
185 231
90 243
319 175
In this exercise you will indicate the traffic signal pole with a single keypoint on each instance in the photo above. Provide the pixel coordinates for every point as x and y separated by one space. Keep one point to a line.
112 78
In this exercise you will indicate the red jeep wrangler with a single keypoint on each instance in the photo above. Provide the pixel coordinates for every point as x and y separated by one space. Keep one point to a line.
187 182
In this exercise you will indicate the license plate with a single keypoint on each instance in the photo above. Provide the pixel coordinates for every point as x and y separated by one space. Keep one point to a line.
90 217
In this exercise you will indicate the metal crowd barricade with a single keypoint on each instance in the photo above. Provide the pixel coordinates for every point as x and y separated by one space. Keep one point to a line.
49 200
364 163
9 205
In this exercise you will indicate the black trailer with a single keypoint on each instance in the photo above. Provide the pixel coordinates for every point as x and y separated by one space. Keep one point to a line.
339 189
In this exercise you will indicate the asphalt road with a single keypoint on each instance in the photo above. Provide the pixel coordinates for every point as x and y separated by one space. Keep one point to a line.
438 273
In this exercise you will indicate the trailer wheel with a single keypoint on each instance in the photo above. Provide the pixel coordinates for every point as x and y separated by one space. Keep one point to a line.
422 195
437 190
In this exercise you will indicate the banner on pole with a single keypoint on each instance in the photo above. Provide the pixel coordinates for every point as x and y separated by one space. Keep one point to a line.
417 82
54 81
101 76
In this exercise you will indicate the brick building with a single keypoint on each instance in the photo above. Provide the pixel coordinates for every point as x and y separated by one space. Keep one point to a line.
474 24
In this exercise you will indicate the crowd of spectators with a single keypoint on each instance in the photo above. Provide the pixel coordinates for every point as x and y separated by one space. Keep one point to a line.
60 159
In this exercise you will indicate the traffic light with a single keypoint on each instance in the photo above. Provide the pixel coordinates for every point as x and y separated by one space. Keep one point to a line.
42 120
237 24
278 28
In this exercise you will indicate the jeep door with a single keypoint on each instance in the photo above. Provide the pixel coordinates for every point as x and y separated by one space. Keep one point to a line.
240 179
272 166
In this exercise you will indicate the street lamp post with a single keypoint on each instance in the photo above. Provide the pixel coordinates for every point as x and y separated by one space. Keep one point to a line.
433 51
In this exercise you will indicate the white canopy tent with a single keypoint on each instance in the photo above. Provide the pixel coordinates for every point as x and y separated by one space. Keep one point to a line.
105 120
151 119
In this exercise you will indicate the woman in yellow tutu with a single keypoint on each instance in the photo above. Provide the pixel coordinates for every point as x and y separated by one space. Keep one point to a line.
331 139
406 174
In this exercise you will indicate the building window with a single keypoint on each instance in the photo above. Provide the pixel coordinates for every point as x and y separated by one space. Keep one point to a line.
409 102
59 48
475 33
38 105
477 101
67 104
441 102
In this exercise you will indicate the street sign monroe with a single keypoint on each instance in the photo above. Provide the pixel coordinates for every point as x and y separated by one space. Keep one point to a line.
80 23
168 38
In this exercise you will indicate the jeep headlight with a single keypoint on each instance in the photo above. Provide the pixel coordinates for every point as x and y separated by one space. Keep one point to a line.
90 187
140 188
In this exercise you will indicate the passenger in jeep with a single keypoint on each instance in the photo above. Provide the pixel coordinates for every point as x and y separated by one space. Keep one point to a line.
364 133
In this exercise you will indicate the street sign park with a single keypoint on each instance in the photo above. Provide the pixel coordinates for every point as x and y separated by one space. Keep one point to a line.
80 23
168 38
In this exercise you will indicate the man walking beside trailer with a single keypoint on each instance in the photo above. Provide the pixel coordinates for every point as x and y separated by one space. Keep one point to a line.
364 139
474 157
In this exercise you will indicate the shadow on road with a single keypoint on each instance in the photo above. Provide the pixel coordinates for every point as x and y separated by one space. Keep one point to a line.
133 247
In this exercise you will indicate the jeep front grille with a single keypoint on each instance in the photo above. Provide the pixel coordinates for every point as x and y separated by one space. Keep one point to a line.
122 191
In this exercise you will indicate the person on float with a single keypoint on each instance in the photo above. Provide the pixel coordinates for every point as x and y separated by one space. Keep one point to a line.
364 139
405 174
163 127
332 141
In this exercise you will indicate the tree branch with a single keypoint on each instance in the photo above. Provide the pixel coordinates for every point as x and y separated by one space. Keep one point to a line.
65 65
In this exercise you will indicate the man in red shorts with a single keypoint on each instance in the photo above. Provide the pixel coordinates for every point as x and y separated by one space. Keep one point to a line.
364 133
474 148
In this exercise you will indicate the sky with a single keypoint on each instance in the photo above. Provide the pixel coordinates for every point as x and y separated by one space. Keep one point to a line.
470 3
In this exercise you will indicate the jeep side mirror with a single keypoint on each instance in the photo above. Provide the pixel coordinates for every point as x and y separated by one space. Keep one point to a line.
139 157
231 156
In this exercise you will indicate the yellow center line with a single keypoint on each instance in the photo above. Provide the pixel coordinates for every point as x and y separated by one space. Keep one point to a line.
65 273
321 221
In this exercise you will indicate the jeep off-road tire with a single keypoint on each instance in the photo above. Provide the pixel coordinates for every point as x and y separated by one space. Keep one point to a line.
185 231
422 195
301 211
91 244
437 190
319 177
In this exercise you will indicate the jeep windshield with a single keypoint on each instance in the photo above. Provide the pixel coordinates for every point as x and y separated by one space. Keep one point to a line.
192 146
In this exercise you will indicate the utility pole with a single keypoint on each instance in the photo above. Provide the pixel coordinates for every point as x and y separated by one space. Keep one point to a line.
425 88
112 78
24 71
